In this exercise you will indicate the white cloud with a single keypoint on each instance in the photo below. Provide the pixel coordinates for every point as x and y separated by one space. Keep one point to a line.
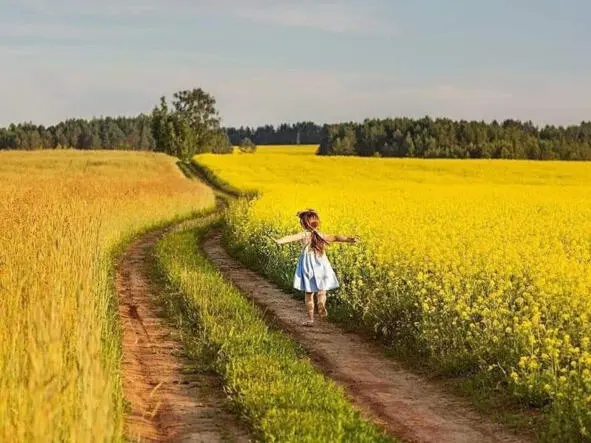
263 95
331 17
338 96
260 95
465 94
49 83
104 7
66 32
341 17
50 25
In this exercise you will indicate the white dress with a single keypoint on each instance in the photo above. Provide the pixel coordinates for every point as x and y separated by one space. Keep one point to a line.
314 272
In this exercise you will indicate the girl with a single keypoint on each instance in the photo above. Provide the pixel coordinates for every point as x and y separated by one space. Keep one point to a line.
314 274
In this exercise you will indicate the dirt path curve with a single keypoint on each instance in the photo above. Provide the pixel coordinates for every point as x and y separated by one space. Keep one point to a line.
167 401
405 404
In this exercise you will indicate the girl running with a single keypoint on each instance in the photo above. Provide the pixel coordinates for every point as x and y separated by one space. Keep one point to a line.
314 274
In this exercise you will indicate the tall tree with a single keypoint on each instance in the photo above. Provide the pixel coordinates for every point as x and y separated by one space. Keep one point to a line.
190 127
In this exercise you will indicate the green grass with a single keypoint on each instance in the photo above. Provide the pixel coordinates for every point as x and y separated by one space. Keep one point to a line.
267 376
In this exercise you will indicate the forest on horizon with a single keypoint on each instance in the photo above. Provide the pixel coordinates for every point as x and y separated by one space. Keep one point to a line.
391 137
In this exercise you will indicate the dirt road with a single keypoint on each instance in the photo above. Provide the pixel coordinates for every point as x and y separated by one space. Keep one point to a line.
168 402
407 405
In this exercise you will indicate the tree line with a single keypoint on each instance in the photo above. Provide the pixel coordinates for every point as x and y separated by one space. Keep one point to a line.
99 133
446 138
136 133
142 132
191 125
304 133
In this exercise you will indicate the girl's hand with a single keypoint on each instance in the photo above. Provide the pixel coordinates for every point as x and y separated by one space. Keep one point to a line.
354 239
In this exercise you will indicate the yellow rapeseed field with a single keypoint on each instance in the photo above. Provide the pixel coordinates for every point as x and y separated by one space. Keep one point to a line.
61 215
474 265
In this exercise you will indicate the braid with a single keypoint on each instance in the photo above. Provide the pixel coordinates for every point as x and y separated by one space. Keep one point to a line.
307 218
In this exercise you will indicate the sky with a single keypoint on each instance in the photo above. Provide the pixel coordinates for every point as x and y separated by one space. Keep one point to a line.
273 61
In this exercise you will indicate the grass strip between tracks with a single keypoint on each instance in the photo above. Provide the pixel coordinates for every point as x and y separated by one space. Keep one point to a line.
267 376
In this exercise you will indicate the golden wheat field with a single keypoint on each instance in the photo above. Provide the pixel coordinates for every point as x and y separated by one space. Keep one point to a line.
62 214
476 266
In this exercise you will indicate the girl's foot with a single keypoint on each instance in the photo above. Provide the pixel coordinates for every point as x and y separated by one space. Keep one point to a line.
322 313
308 323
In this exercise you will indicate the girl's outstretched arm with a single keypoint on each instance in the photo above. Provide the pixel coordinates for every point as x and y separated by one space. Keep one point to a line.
290 238
340 238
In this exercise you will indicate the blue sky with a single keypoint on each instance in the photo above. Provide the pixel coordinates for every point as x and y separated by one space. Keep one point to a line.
269 61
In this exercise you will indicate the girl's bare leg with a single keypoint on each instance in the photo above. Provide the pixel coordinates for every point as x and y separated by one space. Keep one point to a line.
310 308
321 299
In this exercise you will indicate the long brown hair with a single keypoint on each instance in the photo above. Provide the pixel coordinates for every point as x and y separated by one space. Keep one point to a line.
311 222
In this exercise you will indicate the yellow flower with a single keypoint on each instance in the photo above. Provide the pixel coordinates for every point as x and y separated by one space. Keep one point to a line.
464 254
